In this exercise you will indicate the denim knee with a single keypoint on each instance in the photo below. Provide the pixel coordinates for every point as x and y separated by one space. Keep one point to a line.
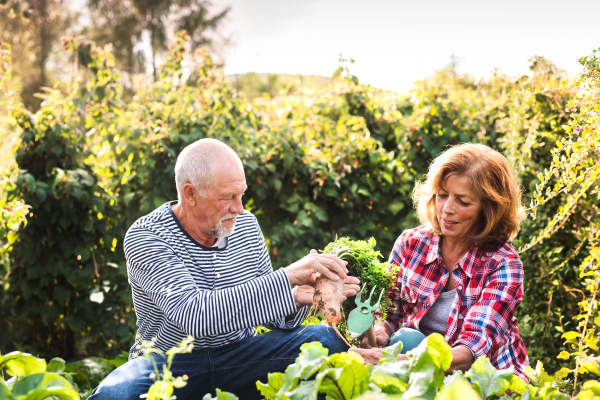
128 381
327 336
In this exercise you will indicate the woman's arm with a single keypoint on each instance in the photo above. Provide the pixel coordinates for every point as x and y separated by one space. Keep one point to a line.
489 318
462 359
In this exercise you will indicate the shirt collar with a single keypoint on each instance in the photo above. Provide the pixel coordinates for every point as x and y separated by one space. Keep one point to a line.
474 258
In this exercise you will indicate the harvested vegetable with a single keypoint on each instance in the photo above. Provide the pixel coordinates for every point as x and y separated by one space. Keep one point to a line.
363 263
328 299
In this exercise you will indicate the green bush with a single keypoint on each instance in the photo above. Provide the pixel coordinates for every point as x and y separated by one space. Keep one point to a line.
337 161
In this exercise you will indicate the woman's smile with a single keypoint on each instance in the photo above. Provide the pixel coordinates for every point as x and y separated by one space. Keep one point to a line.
458 208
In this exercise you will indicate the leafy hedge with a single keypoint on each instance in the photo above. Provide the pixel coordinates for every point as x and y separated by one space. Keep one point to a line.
338 161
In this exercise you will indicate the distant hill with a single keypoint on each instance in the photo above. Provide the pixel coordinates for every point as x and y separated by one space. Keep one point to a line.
266 85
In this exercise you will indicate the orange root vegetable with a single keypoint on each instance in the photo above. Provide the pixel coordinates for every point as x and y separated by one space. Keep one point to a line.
328 299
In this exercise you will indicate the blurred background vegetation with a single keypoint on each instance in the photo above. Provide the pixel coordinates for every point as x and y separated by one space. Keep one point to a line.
94 114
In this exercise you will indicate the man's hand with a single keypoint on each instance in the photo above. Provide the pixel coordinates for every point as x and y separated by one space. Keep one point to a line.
382 334
301 272
303 295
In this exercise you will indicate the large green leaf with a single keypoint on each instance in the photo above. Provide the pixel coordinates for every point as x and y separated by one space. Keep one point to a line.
347 382
56 365
428 364
487 380
42 385
311 358
22 364
458 389
4 391
269 390
391 377
390 353
220 396
306 390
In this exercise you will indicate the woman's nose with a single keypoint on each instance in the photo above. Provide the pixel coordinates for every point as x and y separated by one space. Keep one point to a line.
448 207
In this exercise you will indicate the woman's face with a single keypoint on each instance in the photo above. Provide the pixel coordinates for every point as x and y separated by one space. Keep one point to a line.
458 208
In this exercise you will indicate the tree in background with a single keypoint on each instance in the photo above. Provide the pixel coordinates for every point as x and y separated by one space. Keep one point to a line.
124 24
33 28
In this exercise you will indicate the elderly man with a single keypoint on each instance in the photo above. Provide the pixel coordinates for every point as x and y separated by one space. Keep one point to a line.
199 266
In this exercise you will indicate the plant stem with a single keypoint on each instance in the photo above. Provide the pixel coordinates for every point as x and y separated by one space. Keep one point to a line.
583 337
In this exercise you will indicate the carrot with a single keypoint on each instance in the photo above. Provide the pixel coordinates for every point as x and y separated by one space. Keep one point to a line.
328 299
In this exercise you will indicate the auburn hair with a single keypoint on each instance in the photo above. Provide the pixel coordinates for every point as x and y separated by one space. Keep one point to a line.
492 180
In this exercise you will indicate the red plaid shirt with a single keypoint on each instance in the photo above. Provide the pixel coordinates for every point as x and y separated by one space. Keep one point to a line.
489 286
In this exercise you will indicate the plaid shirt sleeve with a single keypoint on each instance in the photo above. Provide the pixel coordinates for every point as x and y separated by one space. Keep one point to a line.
488 319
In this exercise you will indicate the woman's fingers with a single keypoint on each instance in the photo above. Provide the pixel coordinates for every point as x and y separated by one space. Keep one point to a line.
333 261
330 267
350 290
364 343
352 280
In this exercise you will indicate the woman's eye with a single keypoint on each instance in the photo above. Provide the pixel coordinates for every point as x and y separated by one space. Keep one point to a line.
443 196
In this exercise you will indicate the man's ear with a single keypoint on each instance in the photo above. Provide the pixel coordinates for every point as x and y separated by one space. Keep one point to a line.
189 194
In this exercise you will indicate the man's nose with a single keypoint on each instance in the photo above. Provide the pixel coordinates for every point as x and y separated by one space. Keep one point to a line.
237 206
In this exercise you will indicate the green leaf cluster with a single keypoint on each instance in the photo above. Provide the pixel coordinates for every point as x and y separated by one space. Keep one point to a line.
363 263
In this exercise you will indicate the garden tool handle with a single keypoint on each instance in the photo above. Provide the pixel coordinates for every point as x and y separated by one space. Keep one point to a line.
371 337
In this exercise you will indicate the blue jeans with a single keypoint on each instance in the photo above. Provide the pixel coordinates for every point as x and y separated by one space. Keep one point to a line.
233 368
410 338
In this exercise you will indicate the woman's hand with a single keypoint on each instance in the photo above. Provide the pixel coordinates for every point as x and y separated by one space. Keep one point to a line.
382 334
371 356
301 272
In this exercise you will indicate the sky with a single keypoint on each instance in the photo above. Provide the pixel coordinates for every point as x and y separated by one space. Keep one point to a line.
395 43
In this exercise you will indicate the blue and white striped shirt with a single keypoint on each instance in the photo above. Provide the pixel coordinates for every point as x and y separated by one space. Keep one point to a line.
216 295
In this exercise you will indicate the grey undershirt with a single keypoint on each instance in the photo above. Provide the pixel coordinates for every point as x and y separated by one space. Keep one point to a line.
436 319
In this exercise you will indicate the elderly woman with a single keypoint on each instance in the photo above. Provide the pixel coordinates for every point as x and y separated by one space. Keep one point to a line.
459 276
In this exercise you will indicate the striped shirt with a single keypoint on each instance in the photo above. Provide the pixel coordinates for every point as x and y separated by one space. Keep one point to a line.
489 287
217 295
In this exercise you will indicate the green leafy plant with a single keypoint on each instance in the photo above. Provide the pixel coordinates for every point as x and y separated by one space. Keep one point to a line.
33 379
164 381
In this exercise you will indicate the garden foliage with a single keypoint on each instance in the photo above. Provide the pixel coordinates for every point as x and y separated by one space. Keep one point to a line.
338 161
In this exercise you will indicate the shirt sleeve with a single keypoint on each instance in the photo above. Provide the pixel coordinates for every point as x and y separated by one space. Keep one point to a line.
394 317
162 276
267 268
490 316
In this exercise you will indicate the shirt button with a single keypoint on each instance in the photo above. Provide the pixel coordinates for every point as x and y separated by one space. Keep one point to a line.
460 288
215 255
218 275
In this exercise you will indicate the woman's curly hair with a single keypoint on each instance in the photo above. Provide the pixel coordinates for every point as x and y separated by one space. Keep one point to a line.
492 180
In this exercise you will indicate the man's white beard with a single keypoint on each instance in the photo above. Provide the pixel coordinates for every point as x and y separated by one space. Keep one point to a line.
219 230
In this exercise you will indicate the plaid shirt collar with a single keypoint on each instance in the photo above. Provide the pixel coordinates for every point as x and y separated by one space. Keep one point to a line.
472 260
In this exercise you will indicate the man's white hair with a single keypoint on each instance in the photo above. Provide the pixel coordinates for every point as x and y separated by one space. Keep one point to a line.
199 164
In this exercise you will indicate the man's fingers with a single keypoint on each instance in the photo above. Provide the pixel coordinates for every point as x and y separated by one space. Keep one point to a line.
352 280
